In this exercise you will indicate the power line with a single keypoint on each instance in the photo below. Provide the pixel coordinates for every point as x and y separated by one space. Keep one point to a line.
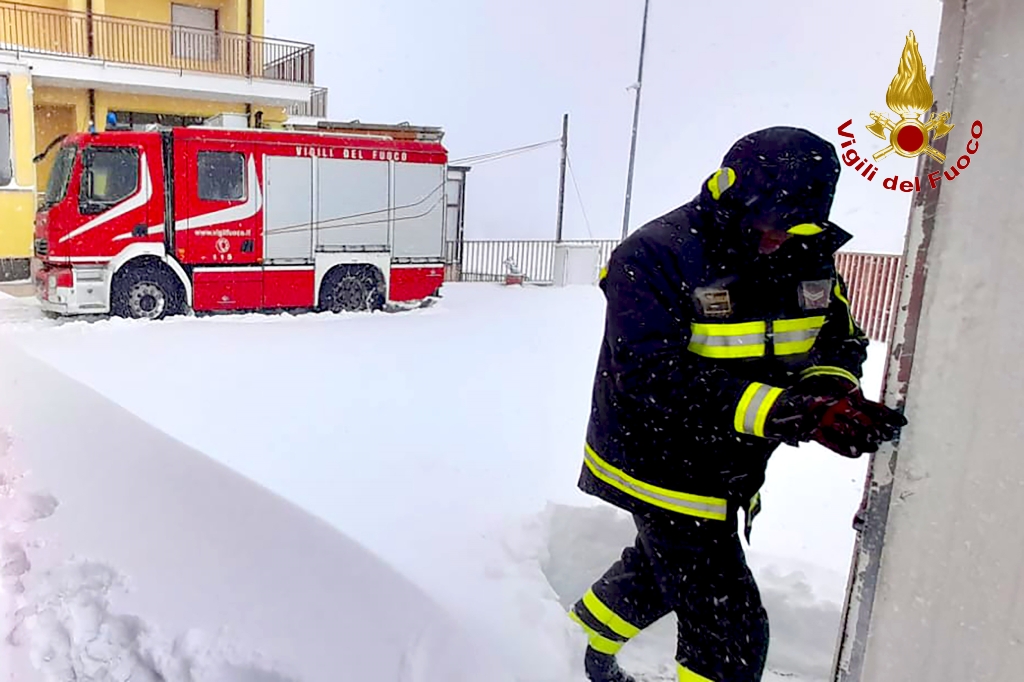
579 197
494 156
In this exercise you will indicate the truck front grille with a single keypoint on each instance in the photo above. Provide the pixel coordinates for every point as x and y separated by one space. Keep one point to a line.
42 247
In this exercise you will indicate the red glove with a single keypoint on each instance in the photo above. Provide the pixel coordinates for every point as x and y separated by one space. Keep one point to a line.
854 425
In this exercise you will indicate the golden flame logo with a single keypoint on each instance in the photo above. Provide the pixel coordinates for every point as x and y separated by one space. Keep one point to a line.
909 95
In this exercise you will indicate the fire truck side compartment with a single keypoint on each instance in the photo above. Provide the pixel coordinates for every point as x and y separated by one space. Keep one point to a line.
352 205
288 209
419 209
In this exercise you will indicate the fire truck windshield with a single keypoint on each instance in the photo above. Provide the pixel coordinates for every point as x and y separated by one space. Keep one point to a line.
60 176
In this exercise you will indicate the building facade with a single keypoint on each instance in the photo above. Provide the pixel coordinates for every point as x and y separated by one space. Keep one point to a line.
66 65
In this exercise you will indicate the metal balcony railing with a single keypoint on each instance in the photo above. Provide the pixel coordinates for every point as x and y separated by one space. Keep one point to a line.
38 30
315 107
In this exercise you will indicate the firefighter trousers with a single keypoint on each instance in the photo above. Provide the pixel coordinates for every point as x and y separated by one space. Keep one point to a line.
697 569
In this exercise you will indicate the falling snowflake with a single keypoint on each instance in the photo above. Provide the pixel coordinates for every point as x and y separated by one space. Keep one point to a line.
791 160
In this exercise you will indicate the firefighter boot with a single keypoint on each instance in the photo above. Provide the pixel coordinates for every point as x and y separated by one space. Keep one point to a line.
604 668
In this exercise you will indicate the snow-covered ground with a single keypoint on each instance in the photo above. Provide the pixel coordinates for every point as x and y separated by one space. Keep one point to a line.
448 442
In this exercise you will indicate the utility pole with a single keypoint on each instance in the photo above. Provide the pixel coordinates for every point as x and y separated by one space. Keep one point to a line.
636 121
561 179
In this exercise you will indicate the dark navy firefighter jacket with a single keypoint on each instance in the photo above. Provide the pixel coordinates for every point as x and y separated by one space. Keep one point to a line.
702 332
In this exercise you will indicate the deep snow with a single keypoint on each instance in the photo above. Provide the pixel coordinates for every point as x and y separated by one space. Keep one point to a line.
448 441
128 556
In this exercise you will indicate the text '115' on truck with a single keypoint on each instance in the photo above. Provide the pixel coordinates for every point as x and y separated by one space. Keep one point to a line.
154 223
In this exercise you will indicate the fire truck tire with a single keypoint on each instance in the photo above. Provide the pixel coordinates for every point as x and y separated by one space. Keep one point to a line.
146 292
351 288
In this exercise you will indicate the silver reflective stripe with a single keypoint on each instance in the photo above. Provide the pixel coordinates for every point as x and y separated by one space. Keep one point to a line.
750 414
723 180
722 341
795 337
683 506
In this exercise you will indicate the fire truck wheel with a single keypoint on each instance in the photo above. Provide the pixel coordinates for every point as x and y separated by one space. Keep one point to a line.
349 288
145 293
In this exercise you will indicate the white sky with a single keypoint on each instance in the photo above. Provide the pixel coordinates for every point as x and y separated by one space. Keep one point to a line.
496 75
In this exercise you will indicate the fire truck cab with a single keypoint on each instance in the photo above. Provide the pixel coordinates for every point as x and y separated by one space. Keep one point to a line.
155 223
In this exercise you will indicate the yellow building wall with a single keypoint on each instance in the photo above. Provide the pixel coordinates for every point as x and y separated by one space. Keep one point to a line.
231 13
258 17
79 99
17 215
50 4
18 201
52 120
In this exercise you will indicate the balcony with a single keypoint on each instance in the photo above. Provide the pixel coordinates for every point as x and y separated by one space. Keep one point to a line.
39 31
314 107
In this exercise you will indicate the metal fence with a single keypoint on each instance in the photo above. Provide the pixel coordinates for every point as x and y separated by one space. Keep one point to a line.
873 283
487 261
39 30
872 279
315 106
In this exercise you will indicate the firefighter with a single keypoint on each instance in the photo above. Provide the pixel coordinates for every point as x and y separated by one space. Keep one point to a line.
728 331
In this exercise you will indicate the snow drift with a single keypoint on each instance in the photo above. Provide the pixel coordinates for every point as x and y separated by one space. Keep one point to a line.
448 442
128 555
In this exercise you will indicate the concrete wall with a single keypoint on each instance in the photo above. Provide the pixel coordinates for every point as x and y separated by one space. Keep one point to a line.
939 571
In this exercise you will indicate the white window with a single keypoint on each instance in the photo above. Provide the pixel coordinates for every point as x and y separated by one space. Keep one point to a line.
195 32
6 162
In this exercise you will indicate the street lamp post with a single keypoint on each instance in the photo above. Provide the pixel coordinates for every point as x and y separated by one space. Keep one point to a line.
636 120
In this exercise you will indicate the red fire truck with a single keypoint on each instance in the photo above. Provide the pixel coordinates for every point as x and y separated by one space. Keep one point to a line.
145 224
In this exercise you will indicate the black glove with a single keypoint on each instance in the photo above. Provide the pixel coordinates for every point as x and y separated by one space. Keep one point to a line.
797 412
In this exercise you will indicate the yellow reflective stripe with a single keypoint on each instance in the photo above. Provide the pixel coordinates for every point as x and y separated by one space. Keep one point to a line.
829 370
687 675
606 616
752 411
799 324
731 329
747 339
714 508
597 641
744 405
604 272
796 336
805 229
722 180
732 340
849 314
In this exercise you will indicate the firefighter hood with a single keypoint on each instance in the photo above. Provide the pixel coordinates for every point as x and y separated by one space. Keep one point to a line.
781 178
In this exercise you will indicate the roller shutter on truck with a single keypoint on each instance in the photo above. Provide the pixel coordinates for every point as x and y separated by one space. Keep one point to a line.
352 205
419 210
288 210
